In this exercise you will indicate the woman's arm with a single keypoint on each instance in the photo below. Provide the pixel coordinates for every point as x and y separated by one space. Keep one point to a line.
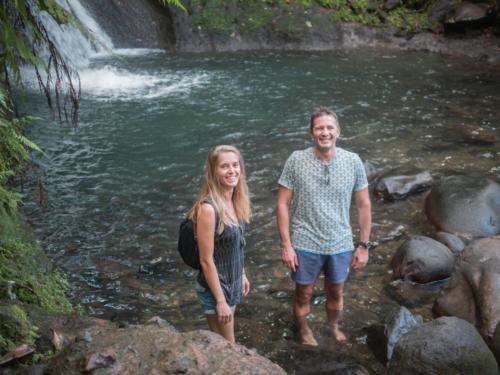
205 228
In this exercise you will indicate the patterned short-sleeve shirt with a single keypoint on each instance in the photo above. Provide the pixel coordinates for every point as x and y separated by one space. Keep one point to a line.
322 194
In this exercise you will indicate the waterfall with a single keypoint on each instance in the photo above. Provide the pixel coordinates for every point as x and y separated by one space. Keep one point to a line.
81 39
107 72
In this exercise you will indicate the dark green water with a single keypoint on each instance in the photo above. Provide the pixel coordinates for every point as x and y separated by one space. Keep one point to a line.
119 184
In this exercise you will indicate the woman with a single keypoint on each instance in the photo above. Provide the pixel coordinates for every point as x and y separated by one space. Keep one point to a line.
219 214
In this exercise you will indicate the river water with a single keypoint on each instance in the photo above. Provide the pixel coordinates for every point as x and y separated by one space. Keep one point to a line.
118 185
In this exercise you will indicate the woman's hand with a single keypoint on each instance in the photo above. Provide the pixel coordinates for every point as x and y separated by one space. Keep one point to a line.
224 312
246 285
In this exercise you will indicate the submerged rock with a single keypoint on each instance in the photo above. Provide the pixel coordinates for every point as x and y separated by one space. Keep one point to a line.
446 345
422 260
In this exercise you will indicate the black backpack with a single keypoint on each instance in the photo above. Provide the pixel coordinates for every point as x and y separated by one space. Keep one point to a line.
187 246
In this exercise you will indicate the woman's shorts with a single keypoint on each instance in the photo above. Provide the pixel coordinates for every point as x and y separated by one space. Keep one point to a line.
207 300
335 267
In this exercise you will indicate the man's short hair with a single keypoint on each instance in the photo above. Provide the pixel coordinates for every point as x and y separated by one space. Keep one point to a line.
320 112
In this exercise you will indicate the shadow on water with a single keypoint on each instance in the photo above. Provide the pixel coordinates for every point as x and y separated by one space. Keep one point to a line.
118 185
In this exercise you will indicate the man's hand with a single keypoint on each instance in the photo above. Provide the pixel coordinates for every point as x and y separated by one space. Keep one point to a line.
359 258
289 257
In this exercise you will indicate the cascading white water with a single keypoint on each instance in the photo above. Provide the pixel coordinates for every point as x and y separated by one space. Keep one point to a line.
88 48
79 40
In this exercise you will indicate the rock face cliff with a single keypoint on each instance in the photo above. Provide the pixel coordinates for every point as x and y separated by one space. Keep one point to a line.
134 24
458 29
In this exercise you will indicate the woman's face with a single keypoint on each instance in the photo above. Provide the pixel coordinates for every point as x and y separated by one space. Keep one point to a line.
228 170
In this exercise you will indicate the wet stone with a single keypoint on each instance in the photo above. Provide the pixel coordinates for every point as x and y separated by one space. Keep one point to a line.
280 295
320 300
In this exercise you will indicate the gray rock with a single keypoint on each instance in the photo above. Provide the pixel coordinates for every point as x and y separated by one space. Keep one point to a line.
398 323
452 242
371 170
446 345
466 11
473 291
398 187
439 10
422 260
391 4
453 196
124 22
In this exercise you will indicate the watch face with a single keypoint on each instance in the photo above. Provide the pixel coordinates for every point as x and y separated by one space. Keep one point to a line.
367 245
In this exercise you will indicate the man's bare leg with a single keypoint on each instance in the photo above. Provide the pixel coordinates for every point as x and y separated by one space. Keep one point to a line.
334 307
302 308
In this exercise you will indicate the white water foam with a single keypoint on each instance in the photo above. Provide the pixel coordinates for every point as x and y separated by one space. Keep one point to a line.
110 83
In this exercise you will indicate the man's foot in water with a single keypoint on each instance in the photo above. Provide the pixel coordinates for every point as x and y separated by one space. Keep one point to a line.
307 336
338 334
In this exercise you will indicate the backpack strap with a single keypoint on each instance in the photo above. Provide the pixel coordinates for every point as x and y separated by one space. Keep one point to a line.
211 203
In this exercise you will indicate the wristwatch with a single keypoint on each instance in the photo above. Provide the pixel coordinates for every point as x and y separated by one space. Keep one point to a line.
367 245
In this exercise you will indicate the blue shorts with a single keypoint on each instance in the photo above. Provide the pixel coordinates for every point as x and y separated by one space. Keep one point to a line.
335 267
207 300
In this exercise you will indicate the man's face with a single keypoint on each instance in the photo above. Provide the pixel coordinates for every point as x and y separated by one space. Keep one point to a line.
325 132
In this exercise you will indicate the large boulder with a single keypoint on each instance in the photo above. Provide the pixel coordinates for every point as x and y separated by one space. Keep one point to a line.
422 259
154 348
398 187
465 206
473 292
447 345
467 12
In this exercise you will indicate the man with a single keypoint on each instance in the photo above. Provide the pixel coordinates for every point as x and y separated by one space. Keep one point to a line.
314 197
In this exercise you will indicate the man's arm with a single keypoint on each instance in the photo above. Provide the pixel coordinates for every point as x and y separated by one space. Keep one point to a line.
364 207
288 255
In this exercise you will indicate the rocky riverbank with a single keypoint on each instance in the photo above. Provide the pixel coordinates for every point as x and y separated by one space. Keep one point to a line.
89 345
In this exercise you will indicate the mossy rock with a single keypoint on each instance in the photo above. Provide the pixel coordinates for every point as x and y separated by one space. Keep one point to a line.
15 327
27 274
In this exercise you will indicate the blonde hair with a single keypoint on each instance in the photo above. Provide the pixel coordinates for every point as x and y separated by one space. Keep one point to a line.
212 189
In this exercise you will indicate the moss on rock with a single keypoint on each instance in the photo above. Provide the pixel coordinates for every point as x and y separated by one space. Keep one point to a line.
15 328
27 277
292 17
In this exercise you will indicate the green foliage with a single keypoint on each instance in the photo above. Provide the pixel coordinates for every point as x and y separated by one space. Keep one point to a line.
216 16
22 33
13 152
291 18
28 276
224 17
408 20
15 328
176 3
